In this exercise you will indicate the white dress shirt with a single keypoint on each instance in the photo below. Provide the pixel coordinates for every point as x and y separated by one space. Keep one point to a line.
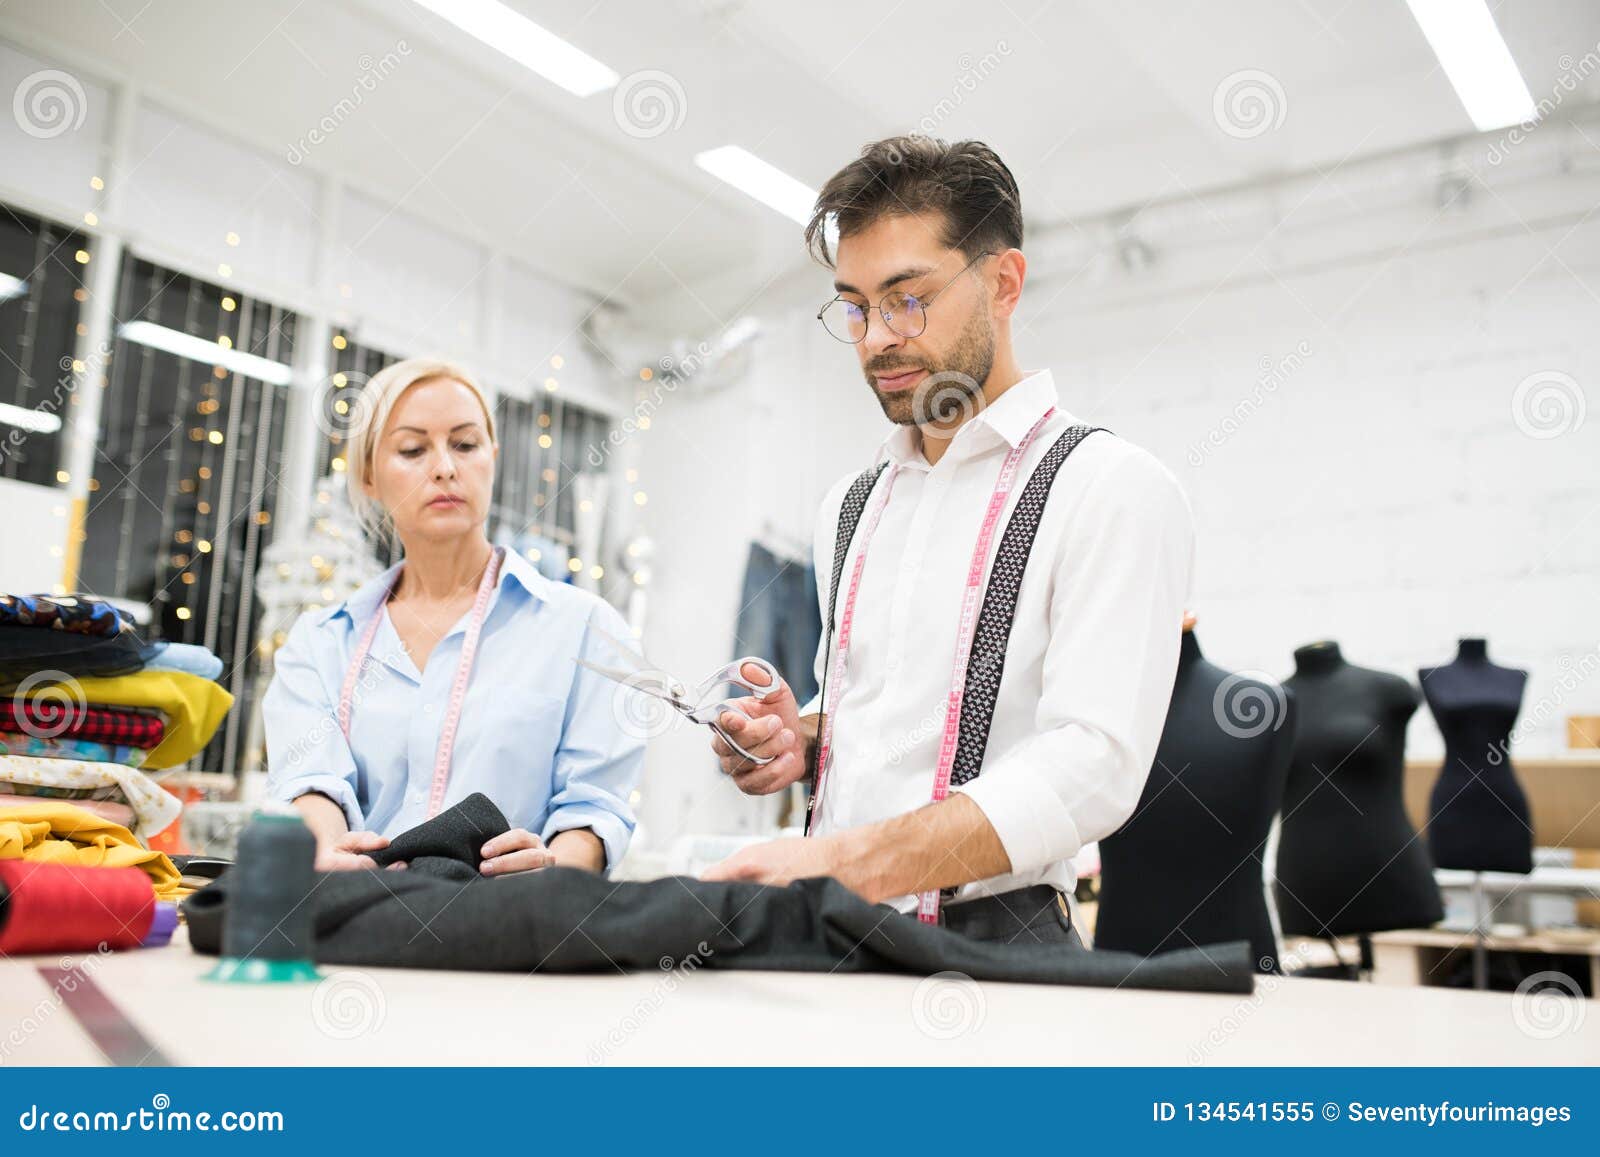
1092 654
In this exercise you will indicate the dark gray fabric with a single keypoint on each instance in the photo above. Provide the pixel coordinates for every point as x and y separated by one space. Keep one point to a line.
442 914
1036 915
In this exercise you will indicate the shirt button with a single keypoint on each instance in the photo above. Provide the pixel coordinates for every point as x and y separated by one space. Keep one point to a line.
416 797
428 709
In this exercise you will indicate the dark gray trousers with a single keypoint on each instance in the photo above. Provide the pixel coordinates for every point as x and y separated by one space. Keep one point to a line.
1036 915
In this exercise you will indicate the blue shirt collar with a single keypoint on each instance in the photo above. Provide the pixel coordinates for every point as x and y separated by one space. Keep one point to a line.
364 602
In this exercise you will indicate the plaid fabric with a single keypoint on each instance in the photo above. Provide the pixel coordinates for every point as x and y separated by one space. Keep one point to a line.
64 613
71 721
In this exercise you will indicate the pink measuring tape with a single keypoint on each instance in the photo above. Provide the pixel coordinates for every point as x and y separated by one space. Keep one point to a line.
928 902
458 689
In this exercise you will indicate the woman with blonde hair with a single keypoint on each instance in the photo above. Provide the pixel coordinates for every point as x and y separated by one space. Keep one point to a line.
456 670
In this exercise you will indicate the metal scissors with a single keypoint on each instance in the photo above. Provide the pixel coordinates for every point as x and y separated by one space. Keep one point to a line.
699 705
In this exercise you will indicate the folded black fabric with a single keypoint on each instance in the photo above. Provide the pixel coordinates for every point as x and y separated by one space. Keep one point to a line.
442 914
26 651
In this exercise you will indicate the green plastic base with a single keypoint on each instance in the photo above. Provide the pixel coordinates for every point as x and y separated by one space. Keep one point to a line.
234 970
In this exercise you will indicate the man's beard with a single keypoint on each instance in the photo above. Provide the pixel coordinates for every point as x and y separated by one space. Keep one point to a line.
951 391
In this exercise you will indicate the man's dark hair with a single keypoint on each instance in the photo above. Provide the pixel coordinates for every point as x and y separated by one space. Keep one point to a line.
966 182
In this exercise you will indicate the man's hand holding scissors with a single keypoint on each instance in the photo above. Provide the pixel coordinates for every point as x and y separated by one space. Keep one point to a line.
774 730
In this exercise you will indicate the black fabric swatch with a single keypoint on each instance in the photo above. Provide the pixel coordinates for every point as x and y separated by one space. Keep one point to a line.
442 914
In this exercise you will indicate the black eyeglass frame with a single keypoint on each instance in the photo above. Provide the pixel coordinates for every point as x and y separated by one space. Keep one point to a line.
869 308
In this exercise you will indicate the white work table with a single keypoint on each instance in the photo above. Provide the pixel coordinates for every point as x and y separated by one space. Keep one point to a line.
390 1016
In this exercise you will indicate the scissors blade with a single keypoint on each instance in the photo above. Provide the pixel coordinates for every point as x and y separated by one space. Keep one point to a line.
646 683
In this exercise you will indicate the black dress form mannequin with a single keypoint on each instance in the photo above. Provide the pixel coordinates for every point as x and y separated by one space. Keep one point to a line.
1349 861
1477 816
1186 869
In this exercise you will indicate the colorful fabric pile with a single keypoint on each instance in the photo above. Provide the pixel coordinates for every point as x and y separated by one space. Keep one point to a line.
86 703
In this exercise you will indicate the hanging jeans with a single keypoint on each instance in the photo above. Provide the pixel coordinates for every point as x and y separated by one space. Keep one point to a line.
778 618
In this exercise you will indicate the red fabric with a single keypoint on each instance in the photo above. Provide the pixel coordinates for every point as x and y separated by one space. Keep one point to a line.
61 908
68 721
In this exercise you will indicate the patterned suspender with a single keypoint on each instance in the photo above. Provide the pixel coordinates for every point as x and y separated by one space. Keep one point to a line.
986 660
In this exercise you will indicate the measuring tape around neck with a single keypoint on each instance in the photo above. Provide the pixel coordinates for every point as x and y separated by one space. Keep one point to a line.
458 687
928 902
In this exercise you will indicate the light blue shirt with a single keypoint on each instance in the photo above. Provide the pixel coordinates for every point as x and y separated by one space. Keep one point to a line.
539 735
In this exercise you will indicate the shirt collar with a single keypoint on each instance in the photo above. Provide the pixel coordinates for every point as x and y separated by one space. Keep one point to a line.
365 600
1009 418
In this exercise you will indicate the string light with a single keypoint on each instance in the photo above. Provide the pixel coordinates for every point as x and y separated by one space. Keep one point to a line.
215 437
224 270
545 441
183 612
639 498
338 341
598 572
646 374
90 219
232 239
557 361
96 184
229 305
575 565
81 257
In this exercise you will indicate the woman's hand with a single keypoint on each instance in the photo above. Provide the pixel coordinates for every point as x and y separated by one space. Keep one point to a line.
347 852
518 850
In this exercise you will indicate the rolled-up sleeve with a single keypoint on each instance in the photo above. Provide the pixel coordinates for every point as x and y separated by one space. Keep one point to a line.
1121 579
598 762
306 750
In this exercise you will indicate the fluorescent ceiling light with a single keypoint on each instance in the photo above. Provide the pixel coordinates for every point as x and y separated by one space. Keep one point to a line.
1475 58
509 31
38 421
770 185
11 287
200 350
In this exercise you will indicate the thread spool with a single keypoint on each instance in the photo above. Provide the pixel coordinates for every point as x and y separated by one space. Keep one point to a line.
266 933
64 908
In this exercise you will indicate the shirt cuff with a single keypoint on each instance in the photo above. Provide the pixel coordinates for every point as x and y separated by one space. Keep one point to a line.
1034 826
613 831
334 787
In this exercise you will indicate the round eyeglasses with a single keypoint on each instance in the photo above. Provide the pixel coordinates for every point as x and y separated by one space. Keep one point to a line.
905 314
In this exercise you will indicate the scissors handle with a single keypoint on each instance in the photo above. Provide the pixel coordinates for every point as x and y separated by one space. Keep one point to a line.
734 673
711 717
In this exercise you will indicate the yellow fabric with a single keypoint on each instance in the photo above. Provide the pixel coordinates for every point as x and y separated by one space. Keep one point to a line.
194 708
59 833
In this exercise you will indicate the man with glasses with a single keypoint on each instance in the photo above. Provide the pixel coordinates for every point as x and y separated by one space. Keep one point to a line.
1002 627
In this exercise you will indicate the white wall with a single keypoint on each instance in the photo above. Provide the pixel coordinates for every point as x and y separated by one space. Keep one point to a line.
1357 350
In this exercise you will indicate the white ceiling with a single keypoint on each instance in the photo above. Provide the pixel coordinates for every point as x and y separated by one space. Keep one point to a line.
1096 106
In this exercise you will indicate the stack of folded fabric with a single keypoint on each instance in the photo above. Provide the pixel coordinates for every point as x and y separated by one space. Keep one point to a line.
87 703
